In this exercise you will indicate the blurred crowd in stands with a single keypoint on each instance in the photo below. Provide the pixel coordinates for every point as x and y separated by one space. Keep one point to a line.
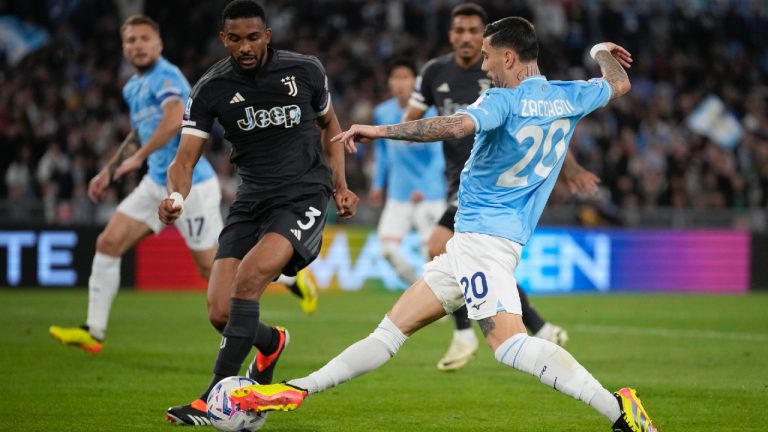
693 132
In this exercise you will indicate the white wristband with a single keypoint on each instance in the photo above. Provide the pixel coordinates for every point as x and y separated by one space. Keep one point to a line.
598 47
178 200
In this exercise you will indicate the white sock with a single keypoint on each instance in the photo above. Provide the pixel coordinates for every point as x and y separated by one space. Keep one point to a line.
286 280
391 252
544 332
361 357
102 288
465 335
556 368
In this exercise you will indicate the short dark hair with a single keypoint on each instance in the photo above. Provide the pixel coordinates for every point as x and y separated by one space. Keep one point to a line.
402 62
470 9
140 20
516 33
242 9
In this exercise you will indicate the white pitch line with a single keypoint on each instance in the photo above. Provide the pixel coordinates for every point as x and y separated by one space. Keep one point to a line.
665 332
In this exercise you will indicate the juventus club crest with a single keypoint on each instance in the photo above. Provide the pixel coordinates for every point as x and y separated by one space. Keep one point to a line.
290 81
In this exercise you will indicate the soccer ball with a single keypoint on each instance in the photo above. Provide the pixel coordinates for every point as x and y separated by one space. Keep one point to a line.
223 413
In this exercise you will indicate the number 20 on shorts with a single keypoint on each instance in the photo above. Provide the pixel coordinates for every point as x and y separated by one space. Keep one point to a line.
475 287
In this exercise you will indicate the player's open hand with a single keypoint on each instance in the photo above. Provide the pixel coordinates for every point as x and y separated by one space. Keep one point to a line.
362 133
583 183
98 185
129 165
346 203
620 54
168 211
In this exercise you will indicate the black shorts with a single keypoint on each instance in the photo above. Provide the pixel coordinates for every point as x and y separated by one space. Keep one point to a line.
448 217
299 217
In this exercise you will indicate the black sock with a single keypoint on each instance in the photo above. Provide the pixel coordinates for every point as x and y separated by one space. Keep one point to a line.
294 289
462 319
531 318
267 339
239 337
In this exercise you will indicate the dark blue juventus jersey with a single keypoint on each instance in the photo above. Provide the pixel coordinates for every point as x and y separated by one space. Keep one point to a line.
269 117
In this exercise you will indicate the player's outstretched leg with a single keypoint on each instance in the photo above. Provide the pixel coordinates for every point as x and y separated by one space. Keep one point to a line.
556 368
633 417
463 345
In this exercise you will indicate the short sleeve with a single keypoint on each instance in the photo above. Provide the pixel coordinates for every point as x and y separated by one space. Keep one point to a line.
593 94
321 96
421 97
198 118
488 111
168 87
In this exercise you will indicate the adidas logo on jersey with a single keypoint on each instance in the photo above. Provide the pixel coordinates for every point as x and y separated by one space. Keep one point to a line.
237 98
443 88
297 233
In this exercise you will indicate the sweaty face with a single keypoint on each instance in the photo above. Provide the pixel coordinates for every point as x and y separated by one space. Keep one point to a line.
401 82
466 36
246 39
141 45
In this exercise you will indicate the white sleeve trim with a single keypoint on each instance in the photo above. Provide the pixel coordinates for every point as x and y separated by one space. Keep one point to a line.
610 92
327 107
472 117
196 132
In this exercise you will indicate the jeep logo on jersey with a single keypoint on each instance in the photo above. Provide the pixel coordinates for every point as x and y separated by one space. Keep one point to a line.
290 81
288 116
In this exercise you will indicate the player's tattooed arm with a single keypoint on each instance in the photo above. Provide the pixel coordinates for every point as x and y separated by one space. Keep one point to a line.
486 325
432 129
612 60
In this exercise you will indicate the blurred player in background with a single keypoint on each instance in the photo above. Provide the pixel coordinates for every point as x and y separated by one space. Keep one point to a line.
451 82
412 174
276 111
522 128
155 95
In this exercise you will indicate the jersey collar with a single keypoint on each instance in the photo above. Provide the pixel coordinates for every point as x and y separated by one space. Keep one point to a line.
534 78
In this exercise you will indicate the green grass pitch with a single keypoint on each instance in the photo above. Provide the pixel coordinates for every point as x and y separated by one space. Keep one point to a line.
699 362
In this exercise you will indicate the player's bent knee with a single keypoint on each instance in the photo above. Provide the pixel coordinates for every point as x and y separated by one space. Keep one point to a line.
391 336
108 245
218 315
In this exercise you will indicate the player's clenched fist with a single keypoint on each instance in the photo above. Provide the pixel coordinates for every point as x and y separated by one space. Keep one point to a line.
346 203
170 208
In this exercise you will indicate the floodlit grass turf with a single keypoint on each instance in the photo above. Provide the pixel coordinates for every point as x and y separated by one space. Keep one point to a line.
699 362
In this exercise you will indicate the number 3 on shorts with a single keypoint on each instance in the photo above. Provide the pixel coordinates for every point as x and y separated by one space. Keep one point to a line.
478 285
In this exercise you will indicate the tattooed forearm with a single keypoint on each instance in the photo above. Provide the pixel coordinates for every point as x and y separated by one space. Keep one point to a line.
486 325
430 129
613 73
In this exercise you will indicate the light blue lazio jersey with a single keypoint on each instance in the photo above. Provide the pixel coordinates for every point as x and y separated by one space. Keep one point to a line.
407 167
145 95
521 138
